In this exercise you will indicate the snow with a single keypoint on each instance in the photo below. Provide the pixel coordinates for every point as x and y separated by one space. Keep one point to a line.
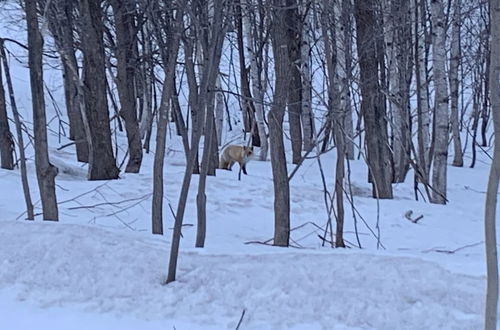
102 272
99 267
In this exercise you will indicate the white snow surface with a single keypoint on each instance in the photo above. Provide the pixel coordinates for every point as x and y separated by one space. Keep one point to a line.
100 268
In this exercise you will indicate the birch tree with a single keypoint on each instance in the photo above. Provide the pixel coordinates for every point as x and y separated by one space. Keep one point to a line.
441 125
454 83
307 117
253 25
422 88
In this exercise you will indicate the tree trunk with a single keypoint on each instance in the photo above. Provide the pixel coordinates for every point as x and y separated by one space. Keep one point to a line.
398 44
293 31
458 159
423 118
275 118
6 141
19 132
126 56
346 37
208 78
336 102
441 124
102 164
60 21
170 27
307 117
372 103
255 48
491 194
219 111
246 101
45 171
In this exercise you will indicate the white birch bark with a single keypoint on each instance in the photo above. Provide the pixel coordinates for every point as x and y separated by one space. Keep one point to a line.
305 49
424 116
441 125
454 84
219 110
346 40
256 81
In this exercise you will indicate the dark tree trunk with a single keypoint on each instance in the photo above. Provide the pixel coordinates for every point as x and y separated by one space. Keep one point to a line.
281 50
372 103
22 157
6 141
60 20
293 30
45 171
126 44
102 164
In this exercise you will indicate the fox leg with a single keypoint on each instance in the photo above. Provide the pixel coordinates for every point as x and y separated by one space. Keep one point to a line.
244 168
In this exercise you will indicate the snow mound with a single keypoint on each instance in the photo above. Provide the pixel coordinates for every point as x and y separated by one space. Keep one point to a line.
98 271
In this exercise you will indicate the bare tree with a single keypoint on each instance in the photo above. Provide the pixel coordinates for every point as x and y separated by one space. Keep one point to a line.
458 159
422 89
171 27
6 141
20 141
294 35
307 117
491 194
337 98
441 124
372 103
208 78
282 17
102 163
45 171
255 38
61 26
126 55
211 44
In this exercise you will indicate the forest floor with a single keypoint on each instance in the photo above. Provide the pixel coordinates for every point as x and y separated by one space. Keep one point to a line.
101 268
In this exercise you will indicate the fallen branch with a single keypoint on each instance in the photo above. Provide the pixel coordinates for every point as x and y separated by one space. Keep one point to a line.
408 215
453 251
241 319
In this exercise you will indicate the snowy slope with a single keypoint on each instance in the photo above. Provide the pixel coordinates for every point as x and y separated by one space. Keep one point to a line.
97 271
100 262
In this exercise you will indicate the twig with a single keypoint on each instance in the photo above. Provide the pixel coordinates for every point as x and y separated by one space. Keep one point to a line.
241 319
455 250
109 203
83 194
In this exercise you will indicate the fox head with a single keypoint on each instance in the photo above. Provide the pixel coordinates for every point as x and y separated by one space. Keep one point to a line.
248 151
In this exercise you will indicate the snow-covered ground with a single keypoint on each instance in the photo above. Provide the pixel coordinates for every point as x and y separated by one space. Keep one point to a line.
100 268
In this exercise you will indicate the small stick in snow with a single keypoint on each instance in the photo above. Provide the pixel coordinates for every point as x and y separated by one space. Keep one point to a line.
241 320
408 215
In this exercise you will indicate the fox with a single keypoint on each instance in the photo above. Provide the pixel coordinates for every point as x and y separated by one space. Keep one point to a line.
235 154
